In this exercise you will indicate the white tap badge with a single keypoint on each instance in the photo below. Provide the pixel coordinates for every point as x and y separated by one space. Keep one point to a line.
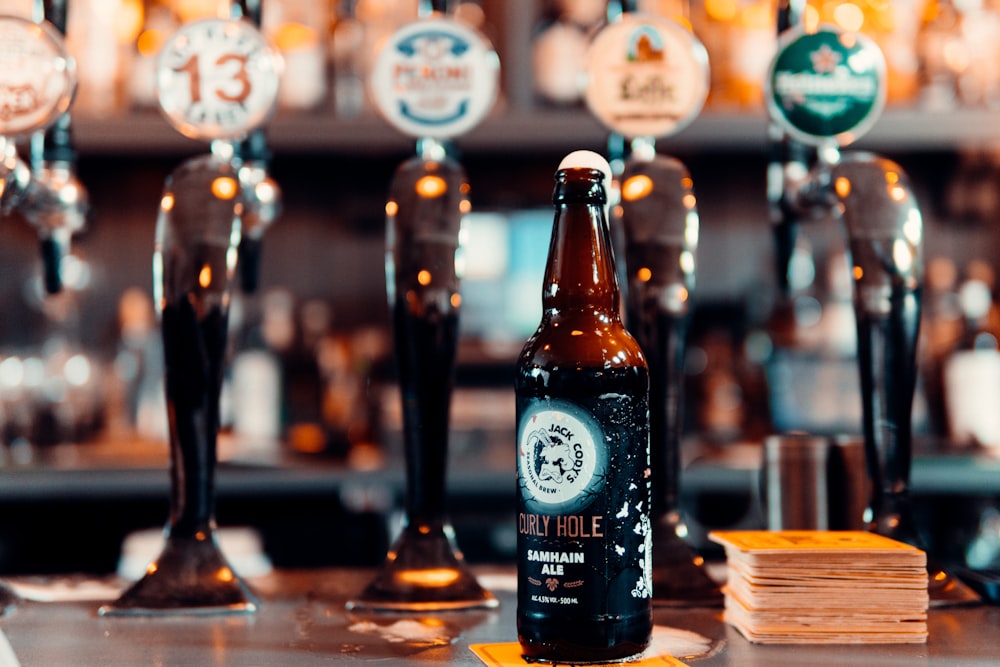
217 79
647 76
37 76
435 78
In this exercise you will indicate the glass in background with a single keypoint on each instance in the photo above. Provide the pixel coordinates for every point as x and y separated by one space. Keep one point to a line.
559 49
959 54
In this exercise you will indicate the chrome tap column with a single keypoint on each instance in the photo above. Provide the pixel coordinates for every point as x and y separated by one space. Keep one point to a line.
39 77
824 89
38 80
424 569
648 78
217 81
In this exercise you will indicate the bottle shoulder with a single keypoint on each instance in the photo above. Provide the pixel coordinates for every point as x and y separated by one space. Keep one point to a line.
581 341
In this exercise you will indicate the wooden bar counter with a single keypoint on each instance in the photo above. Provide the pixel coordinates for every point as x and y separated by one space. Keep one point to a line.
302 621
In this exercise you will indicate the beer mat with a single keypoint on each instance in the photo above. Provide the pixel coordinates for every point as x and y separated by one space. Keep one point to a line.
509 655
827 542
665 643
843 587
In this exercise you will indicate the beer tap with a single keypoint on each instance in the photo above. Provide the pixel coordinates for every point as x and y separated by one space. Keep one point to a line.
217 80
433 79
824 89
38 79
261 193
648 78
40 73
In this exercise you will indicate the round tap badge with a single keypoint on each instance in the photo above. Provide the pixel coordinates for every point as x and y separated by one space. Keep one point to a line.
826 85
217 79
646 76
37 76
435 78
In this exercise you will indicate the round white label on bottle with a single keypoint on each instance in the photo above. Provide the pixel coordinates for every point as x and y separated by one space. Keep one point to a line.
37 76
435 78
647 76
560 464
217 79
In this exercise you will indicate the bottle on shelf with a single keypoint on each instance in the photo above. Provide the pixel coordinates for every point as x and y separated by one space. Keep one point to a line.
971 374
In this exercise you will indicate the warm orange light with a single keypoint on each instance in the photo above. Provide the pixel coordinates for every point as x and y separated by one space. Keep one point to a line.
152 568
689 200
391 208
849 40
205 276
225 574
810 18
575 332
849 16
291 36
721 10
892 177
424 277
128 21
224 187
897 193
842 186
644 274
858 273
465 206
148 43
167 203
431 186
636 187
456 300
432 578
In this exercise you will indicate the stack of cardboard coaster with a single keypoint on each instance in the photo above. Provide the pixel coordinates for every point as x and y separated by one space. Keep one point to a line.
834 587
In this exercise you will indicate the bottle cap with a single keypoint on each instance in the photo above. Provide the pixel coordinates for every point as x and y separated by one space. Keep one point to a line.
583 159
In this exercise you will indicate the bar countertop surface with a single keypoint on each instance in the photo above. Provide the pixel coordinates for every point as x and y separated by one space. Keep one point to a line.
303 621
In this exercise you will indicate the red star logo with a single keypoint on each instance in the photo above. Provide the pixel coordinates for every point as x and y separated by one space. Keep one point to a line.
824 59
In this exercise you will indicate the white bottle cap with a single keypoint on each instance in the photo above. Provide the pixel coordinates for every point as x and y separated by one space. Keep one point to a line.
586 160
589 160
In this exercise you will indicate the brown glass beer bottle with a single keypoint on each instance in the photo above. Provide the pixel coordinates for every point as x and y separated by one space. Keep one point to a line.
583 476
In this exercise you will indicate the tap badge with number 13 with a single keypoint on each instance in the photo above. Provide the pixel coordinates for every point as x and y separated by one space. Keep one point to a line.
826 84
647 76
37 76
435 78
217 79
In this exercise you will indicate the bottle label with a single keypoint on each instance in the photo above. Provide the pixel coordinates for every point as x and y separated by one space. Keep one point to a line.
584 539
561 467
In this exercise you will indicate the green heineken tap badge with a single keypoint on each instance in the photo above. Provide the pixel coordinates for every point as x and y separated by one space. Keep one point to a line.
826 85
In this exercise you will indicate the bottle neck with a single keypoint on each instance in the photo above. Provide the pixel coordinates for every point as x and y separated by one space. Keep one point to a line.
580 273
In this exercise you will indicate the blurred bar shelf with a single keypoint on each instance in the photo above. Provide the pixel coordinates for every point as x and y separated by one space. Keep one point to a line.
83 471
541 130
